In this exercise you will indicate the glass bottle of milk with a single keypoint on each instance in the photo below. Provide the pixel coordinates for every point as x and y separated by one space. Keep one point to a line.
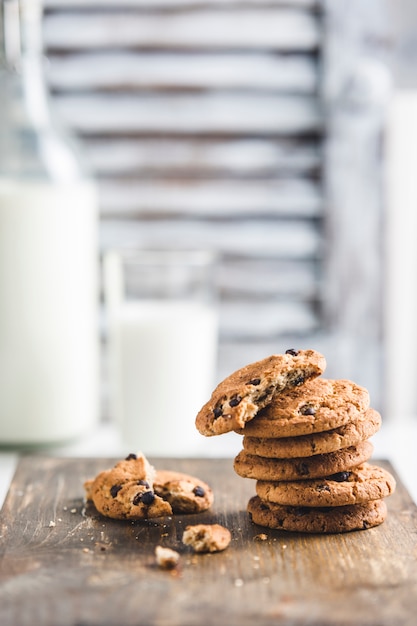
48 262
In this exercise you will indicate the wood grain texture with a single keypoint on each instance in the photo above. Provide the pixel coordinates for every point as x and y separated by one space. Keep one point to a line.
94 571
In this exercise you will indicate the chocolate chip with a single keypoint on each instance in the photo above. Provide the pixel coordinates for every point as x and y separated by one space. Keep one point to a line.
114 490
235 401
291 351
303 469
131 457
144 483
307 410
340 477
217 411
296 382
199 491
254 382
146 497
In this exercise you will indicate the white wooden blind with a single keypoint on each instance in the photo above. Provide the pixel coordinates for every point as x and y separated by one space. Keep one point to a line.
202 121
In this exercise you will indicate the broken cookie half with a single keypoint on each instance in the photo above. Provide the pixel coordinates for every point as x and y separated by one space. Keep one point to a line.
134 490
238 398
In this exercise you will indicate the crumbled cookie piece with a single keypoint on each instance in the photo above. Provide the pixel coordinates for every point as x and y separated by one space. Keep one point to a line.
166 558
206 537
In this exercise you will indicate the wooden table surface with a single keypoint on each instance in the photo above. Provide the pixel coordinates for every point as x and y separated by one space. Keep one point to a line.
62 564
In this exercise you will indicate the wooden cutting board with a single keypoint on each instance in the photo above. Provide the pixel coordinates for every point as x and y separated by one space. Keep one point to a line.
62 564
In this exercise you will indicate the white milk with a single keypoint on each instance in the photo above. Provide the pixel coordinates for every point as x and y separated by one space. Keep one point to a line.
48 312
164 366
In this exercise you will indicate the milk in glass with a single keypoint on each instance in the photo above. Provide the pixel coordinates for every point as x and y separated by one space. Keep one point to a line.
163 356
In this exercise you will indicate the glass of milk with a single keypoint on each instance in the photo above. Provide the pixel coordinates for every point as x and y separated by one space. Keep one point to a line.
162 345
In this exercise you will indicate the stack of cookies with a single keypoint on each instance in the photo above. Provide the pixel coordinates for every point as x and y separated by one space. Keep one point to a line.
305 442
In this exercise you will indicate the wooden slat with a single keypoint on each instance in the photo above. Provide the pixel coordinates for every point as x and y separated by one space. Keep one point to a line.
260 319
209 157
174 4
255 320
200 28
279 239
264 278
288 197
192 114
123 69
256 278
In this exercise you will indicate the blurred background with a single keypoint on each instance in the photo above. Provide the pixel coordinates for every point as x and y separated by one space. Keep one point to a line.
255 128
279 134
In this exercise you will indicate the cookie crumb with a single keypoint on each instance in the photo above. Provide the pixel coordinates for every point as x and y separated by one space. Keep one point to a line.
51 524
261 537
206 537
166 558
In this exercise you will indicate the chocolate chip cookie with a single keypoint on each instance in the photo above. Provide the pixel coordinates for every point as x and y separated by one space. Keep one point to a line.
185 493
360 428
126 491
319 405
262 468
321 520
356 486
239 397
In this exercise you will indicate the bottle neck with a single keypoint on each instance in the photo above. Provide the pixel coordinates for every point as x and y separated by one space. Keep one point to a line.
32 142
21 59
20 32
